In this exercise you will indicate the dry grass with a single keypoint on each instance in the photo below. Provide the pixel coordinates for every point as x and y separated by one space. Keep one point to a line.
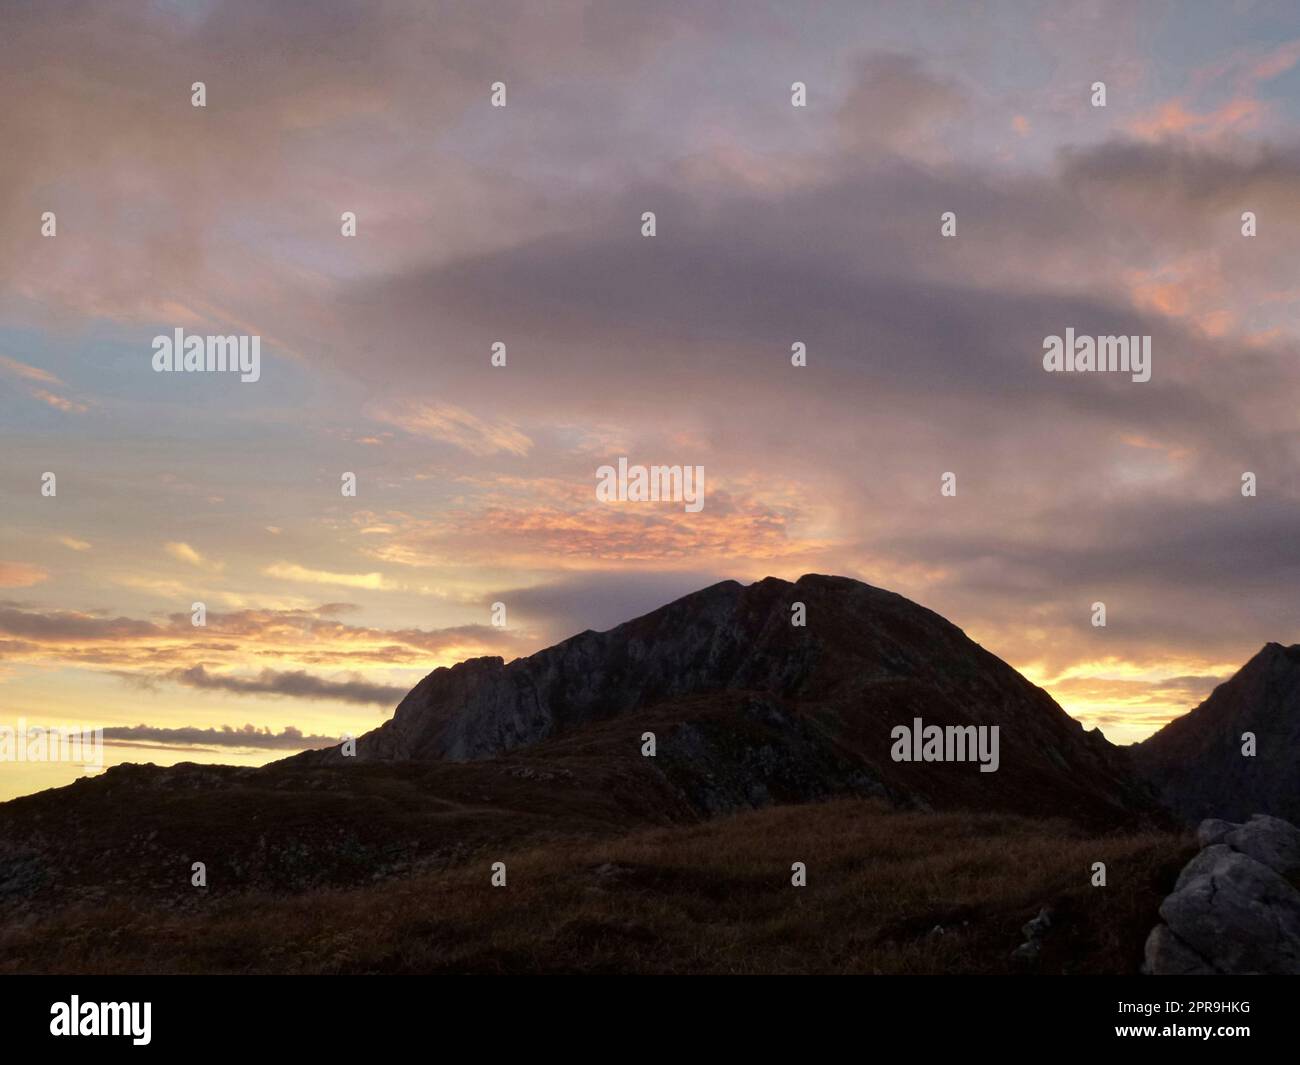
714 897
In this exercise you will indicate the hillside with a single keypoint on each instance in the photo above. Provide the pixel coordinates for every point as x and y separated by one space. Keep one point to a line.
886 892
866 661
1196 761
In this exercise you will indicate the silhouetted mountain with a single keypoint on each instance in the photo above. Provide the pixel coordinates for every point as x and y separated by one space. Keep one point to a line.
539 764
866 660
1196 761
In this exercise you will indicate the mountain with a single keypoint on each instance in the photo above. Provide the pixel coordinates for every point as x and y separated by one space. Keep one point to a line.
773 746
1196 761
826 694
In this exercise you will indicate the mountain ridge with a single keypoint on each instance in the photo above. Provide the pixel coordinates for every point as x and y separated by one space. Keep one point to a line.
1196 761
866 660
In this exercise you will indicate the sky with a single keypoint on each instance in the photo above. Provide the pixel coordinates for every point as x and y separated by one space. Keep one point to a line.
522 224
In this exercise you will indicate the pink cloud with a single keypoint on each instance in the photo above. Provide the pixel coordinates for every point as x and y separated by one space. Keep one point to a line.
20 575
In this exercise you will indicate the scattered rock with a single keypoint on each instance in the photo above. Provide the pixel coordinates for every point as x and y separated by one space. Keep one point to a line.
1027 951
1034 930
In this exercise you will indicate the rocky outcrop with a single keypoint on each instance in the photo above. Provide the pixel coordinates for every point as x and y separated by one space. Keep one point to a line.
866 660
1197 761
1235 907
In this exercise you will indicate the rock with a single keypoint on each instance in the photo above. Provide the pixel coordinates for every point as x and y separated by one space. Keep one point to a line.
1039 925
21 874
1212 831
1167 955
1232 910
1201 865
1238 914
1270 840
1033 930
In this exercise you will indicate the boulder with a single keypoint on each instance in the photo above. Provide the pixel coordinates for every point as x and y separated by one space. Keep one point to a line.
1270 840
1233 909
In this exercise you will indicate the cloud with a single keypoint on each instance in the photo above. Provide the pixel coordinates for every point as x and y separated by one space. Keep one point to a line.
542 520
1128 693
185 553
292 637
296 684
67 626
34 377
1174 119
28 373
20 575
452 425
896 106
291 571
575 602
227 736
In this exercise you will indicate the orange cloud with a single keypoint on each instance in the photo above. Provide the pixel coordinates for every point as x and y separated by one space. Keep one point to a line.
1191 289
456 426
1173 118
185 553
293 639
523 523
290 571
41 377
28 373
20 575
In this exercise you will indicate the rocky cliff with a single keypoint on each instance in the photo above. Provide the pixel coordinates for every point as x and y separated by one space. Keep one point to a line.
866 661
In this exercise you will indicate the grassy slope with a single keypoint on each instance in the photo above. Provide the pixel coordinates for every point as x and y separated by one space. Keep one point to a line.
710 897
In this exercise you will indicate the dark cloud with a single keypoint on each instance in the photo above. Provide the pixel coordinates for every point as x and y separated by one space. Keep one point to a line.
297 684
288 738
896 105
69 626
598 601
315 632
1189 179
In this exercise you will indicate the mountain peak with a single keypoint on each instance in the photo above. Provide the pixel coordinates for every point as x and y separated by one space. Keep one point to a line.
837 676
1205 765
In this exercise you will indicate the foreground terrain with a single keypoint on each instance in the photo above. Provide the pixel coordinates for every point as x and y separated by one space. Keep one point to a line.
887 892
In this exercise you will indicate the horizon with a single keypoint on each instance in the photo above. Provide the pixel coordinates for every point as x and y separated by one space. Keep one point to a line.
494 326
196 745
